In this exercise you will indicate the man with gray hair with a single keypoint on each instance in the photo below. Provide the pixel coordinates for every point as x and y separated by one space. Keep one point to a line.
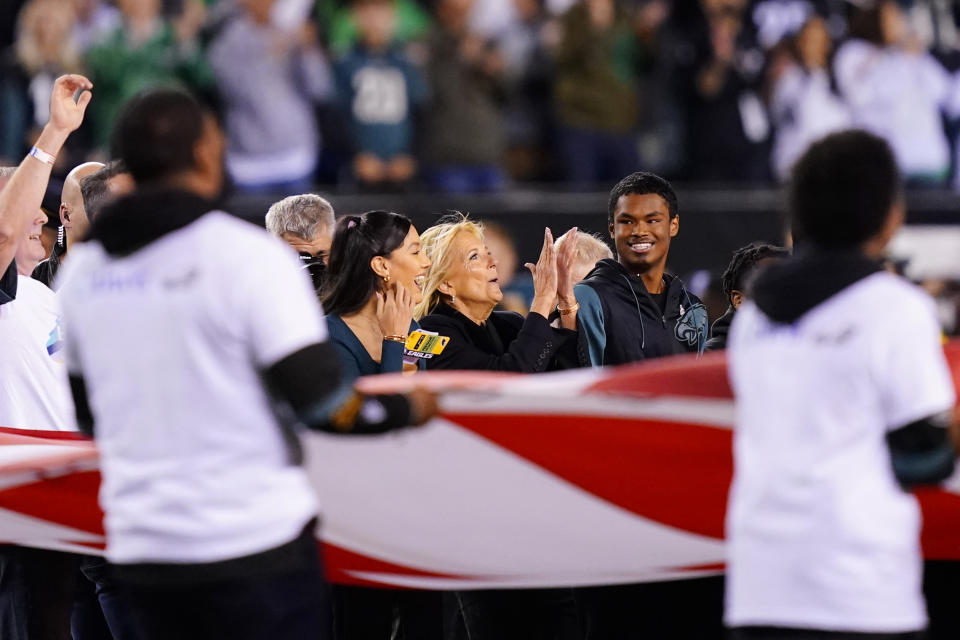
305 222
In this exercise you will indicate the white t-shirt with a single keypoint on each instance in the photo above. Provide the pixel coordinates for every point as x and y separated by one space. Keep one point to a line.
819 533
170 341
33 378
899 97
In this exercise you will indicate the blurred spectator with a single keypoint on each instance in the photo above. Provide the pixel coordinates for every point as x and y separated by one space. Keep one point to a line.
727 123
528 74
8 18
466 138
777 20
43 51
804 102
96 20
146 50
269 78
379 88
895 89
660 144
517 286
413 23
595 92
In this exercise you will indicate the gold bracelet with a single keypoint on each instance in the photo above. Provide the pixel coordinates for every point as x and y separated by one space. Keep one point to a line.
400 339
566 312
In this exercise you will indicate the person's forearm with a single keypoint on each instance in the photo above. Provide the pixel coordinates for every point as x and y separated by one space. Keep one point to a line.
542 305
568 307
23 194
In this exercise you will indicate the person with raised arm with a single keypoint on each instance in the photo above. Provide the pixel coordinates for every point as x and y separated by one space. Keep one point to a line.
36 586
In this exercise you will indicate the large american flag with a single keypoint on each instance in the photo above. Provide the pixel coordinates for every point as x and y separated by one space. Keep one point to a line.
586 477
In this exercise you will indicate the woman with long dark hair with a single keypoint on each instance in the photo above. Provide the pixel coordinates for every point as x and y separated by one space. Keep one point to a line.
374 279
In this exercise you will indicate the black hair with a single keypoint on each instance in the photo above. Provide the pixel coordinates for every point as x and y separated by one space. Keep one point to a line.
643 183
350 281
95 188
842 190
156 132
866 23
742 264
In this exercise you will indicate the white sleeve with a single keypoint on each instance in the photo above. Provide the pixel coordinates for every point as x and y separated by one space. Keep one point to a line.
279 306
914 377
71 354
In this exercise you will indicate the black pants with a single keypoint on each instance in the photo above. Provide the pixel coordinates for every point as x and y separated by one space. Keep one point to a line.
364 613
100 608
521 614
779 633
283 606
676 609
36 593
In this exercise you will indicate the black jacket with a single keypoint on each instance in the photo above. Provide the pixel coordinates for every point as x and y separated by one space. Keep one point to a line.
505 342
47 270
619 322
720 330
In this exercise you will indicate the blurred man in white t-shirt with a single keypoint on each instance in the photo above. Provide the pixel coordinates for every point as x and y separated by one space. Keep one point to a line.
844 401
197 345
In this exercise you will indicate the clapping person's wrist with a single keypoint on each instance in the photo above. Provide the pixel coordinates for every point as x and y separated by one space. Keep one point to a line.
542 305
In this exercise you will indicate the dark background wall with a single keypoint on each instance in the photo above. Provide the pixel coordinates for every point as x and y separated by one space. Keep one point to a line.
713 221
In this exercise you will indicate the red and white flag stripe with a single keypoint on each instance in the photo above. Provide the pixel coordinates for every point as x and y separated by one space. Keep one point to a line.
574 478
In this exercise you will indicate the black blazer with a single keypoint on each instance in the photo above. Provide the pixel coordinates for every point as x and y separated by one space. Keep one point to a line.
506 342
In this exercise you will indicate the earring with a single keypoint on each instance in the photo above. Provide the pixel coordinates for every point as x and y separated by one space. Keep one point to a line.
386 278
453 299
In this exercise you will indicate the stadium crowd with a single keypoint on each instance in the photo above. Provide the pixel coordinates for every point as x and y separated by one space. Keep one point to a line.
209 518
474 95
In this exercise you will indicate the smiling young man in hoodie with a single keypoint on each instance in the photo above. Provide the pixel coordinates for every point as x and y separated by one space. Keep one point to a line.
630 309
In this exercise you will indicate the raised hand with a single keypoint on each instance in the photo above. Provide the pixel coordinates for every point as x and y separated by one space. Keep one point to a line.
544 277
66 114
395 310
566 265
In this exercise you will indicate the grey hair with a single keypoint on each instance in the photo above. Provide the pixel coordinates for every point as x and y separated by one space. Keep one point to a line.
303 216
590 248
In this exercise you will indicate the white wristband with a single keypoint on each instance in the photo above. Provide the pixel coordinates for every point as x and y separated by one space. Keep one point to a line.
42 155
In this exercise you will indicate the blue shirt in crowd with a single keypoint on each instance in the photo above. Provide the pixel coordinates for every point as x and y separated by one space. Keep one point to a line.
377 90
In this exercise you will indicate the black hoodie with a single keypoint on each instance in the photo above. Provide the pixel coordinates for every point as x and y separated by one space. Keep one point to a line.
146 215
619 321
720 330
787 290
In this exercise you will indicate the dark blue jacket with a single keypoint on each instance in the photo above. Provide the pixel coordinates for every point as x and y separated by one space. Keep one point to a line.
619 322
354 357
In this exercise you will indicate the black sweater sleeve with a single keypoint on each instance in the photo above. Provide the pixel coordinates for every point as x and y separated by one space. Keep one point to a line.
78 388
311 383
530 352
921 452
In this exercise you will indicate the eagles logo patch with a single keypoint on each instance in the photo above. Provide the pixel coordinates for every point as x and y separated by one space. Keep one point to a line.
691 328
